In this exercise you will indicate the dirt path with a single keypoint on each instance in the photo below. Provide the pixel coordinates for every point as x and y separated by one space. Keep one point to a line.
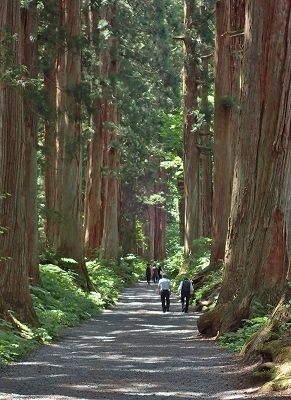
132 351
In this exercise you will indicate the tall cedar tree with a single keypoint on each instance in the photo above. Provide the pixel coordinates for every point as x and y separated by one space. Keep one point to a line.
14 262
228 50
191 152
110 118
71 243
257 251
95 144
50 38
30 60
223 162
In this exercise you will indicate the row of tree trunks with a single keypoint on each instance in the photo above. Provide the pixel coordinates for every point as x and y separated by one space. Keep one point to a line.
155 221
257 261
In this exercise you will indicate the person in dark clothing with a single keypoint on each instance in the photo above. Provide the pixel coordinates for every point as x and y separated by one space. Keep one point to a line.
186 290
148 273
160 272
155 274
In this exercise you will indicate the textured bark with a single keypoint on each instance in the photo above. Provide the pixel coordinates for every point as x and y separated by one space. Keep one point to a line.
160 219
149 227
223 165
14 283
30 60
191 153
206 165
61 125
52 216
111 183
257 262
95 150
71 230
180 187
52 73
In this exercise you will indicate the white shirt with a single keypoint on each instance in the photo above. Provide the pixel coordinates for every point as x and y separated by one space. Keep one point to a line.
181 284
164 284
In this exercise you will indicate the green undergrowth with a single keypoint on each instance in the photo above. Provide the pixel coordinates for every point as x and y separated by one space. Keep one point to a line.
198 260
60 303
234 341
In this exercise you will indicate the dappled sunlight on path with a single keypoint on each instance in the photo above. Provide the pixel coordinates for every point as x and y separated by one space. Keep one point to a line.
130 351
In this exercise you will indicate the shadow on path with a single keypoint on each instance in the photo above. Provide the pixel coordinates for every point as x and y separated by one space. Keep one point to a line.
132 351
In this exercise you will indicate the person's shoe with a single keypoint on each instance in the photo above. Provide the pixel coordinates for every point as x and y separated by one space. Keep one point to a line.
183 310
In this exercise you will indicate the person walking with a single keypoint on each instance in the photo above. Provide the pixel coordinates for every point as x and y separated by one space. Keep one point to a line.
160 272
148 273
186 290
164 290
155 273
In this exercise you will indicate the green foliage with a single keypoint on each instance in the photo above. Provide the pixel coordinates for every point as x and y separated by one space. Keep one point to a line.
198 261
212 281
171 134
60 302
200 258
174 261
14 344
234 341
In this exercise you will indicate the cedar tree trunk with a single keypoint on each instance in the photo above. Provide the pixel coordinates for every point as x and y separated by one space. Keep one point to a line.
257 261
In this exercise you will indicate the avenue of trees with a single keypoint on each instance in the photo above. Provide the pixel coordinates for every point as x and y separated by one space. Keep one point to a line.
106 115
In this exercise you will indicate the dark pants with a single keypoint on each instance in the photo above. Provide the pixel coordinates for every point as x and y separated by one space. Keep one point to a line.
185 297
148 278
155 278
165 299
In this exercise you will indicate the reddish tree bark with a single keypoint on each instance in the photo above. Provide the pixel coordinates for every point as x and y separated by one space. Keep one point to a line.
223 164
257 252
95 150
110 183
51 71
206 163
228 55
160 219
191 152
30 60
14 265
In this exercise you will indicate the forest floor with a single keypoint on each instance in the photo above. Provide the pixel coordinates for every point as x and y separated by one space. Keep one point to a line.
132 351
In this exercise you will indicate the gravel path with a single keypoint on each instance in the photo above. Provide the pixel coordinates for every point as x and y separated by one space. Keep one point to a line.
132 351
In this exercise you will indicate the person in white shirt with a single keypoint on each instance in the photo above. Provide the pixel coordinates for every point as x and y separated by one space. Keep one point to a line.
164 290
186 290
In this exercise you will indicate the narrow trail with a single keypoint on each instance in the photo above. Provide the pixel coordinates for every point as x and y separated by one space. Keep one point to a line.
132 351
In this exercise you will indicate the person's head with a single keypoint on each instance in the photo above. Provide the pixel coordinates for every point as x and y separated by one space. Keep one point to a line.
164 275
186 279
